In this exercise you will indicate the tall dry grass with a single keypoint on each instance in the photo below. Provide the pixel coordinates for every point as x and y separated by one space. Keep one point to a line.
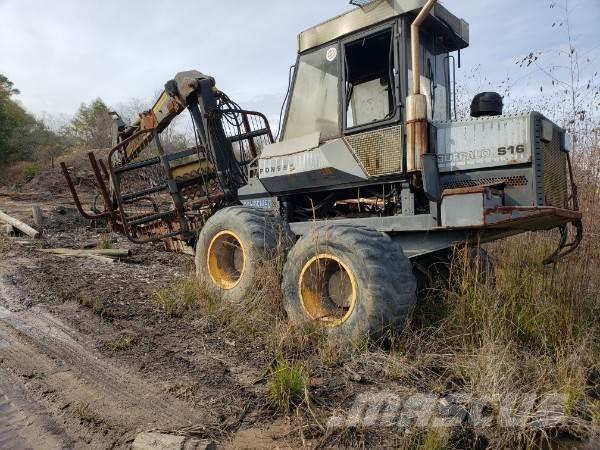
532 330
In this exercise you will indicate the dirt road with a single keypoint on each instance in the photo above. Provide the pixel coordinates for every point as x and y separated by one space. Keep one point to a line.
88 360
23 422
41 348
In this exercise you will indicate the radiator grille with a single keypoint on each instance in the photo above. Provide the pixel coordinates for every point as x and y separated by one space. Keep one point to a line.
379 152
458 182
554 162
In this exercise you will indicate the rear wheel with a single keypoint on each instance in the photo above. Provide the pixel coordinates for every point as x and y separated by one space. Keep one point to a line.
350 280
232 244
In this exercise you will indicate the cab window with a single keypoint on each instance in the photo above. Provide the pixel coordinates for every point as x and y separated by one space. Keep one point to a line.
314 105
369 80
435 77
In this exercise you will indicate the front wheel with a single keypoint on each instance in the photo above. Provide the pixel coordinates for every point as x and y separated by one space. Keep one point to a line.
231 246
351 280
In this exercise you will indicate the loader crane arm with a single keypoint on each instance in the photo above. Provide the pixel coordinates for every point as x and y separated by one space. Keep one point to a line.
197 93
154 193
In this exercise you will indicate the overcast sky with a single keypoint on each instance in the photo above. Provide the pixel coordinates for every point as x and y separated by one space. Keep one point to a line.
62 52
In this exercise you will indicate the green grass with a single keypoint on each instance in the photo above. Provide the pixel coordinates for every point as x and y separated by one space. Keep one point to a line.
120 344
435 439
287 384
94 303
104 242
31 170
179 298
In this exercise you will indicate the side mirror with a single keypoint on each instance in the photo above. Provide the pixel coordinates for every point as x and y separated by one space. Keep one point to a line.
567 144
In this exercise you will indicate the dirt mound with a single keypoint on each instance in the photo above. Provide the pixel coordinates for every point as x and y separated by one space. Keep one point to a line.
52 181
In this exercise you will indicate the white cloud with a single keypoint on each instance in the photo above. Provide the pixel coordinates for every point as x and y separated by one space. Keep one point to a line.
64 52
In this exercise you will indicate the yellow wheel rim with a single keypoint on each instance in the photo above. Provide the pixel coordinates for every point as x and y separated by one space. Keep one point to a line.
226 260
327 290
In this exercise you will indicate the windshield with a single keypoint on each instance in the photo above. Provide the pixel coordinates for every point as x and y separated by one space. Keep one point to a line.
314 102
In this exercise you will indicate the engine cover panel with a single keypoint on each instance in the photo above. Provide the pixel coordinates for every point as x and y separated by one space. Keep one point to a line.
486 142
329 164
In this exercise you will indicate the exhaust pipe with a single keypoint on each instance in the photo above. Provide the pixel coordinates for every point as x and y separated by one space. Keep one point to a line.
416 45
416 122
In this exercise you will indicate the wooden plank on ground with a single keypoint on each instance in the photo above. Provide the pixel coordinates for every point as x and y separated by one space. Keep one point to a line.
21 226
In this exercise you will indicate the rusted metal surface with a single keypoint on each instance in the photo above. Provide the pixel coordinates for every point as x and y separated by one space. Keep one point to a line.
177 246
159 117
191 168
415 45
417 142
103 190
495 188
516 213
525 218
152 195
76 199
129 140
104 169
140 140
187 189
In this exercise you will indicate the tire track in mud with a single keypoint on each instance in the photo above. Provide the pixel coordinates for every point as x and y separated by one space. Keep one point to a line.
24 423
12 421
38 346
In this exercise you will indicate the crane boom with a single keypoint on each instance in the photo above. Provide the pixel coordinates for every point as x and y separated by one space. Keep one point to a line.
154 193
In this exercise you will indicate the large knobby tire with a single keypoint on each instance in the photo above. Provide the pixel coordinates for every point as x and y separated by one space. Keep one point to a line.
353 281
231 246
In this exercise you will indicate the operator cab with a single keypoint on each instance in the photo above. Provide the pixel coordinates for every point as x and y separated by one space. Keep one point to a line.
345 136
353 72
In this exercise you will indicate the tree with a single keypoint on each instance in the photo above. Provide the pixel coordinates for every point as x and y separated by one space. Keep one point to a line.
22 136
16 125
92 125
7 86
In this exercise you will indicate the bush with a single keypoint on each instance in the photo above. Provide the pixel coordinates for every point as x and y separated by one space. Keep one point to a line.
19 173
31 170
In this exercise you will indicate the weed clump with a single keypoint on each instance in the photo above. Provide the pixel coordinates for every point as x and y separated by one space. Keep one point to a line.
180 298
104 243
531 332
94 303
288 383
31 170
120 344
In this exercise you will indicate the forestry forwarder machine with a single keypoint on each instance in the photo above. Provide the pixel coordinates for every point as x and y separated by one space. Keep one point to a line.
370 180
